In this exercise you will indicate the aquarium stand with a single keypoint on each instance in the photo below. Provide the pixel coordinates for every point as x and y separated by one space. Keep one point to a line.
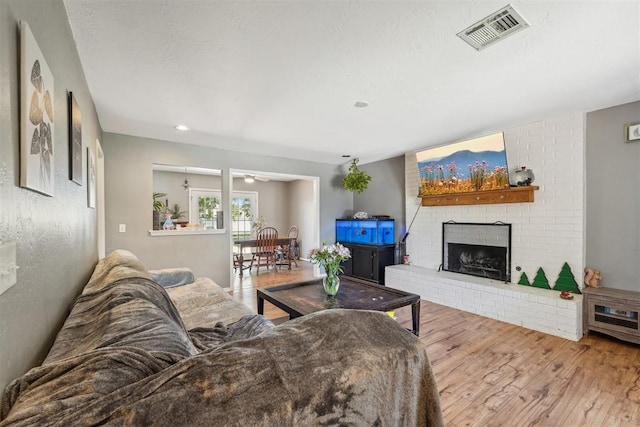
368 262
490 197
372 246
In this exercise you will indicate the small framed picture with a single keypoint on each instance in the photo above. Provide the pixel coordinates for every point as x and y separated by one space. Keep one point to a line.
75 141
632 132
37 132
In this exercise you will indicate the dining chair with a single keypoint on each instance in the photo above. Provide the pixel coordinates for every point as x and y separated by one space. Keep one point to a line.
292 234
237 265
266 247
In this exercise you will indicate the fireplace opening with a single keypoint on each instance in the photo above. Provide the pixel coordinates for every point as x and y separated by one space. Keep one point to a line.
478 260
482 250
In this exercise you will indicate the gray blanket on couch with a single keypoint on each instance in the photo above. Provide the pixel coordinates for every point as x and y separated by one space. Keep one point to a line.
124 357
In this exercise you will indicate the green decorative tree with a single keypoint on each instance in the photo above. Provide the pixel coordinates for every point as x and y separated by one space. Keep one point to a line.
566 281
524 280
540 280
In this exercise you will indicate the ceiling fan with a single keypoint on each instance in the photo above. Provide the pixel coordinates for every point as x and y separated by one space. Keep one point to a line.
248 178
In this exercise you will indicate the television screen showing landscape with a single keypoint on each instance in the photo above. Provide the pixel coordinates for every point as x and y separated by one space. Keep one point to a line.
478 164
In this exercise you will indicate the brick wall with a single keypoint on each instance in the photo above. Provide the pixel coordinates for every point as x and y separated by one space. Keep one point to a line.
546 233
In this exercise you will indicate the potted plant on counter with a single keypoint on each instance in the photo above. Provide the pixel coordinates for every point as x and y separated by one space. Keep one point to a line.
177 214
158 207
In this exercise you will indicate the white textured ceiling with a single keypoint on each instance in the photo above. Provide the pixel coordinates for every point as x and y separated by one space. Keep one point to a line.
280 78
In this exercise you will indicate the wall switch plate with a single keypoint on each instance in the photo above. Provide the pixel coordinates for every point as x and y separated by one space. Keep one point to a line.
8 267
122 228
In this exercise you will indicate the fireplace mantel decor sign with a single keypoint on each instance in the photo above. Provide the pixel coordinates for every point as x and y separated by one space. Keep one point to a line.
478 164
632 132
477 249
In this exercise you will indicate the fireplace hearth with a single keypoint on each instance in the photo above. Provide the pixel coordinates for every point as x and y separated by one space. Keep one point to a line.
477 249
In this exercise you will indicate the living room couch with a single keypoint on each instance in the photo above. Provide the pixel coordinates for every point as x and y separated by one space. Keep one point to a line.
133 352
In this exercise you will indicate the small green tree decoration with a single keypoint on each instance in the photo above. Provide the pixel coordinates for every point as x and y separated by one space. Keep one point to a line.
540 281
566 281
356 180
524 280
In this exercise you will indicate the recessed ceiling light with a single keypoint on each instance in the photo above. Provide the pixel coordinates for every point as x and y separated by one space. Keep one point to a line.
361 104
182 127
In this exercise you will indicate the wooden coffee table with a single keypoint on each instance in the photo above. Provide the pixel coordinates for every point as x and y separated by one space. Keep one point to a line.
299 299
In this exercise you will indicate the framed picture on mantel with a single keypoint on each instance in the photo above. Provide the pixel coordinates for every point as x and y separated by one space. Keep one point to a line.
478 164
632 132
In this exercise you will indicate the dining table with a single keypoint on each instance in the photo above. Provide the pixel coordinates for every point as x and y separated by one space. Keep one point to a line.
252 243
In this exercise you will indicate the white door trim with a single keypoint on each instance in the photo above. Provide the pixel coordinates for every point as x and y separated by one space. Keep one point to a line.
100 205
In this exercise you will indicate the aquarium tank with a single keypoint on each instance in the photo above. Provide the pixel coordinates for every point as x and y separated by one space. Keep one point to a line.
366 231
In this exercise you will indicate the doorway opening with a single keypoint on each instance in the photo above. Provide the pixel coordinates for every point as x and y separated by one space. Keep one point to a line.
278 200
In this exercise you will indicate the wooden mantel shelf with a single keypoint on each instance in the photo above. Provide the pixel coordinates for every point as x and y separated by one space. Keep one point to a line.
511 195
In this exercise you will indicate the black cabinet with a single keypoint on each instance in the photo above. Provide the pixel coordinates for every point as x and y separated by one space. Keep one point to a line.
368 261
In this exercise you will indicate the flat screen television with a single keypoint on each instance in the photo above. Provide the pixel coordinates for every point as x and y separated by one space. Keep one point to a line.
478 164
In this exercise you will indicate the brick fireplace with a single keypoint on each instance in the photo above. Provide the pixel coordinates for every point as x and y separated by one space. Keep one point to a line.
544 234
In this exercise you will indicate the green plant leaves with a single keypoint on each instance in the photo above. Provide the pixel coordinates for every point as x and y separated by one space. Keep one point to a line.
356 180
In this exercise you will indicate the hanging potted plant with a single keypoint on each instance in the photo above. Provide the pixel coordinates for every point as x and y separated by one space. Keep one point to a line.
356 180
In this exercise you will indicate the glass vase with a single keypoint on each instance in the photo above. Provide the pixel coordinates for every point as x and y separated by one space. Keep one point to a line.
331 283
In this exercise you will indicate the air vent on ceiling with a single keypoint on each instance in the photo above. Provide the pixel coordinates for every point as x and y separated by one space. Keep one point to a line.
494 27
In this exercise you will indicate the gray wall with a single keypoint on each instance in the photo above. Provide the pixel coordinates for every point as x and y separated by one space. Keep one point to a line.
274 197
55 236
129 185
613 197
301 213
171 183
273 201
385 194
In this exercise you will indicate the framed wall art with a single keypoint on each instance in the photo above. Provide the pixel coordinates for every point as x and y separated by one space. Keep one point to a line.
75 141
632 132
478 164
37 116
91 178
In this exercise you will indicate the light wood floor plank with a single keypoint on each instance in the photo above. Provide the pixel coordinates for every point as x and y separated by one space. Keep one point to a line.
491 373
592 409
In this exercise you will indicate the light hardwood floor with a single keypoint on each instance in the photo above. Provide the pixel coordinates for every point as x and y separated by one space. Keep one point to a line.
491 373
